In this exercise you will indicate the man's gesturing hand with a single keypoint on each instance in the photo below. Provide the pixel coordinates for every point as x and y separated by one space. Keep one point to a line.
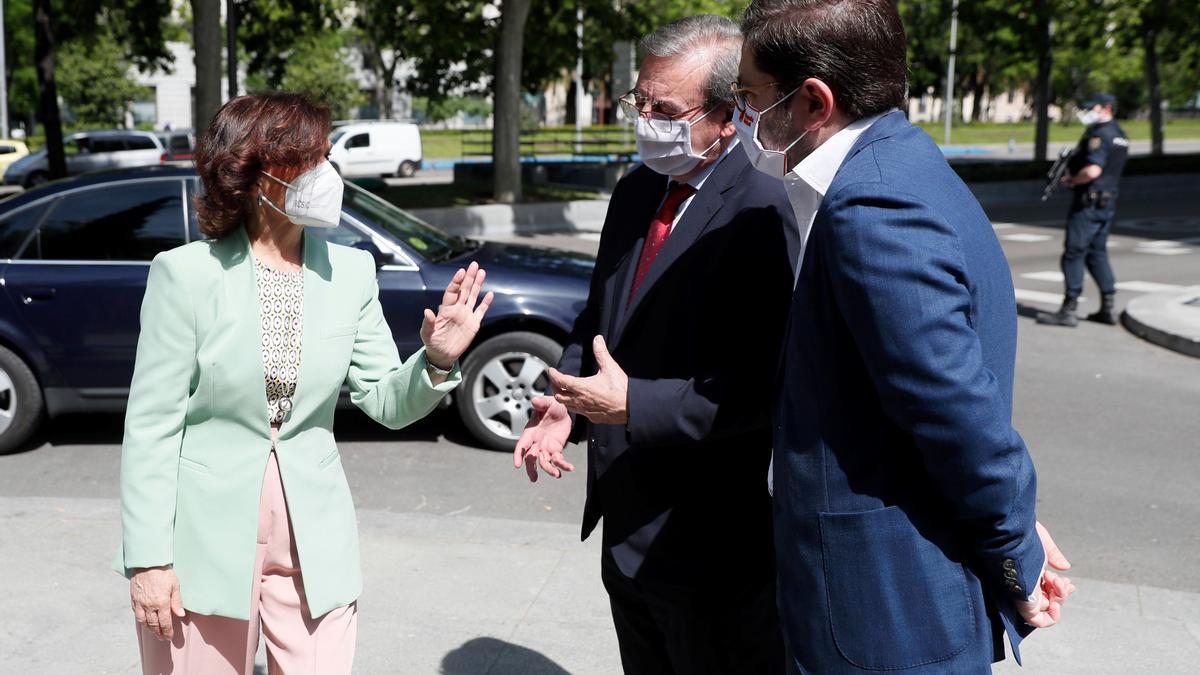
1045 609
602 397
543 440
154 595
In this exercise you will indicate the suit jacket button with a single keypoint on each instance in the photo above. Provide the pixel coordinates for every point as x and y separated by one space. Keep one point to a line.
1010 564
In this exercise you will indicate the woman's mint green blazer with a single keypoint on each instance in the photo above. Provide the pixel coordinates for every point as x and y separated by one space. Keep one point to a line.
197 436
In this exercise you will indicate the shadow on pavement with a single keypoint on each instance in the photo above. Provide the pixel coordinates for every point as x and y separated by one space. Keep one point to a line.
492 655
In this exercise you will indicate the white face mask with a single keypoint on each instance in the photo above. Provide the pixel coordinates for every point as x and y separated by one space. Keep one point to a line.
746 122
1088 117
314 198
666 145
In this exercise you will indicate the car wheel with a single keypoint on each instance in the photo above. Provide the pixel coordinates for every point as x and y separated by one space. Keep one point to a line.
500 379
36 178
21 405
407 169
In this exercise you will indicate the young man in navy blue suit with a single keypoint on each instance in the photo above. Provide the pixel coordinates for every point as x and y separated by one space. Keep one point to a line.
904 499
668 370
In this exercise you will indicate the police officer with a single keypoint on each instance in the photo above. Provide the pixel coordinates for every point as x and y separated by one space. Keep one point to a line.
1093 172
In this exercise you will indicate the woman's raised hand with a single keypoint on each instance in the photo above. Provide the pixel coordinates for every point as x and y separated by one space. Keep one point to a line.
448 333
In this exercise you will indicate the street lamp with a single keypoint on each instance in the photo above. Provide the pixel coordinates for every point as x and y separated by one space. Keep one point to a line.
948 104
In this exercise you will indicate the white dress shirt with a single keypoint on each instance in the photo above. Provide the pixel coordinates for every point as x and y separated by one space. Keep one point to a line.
806 185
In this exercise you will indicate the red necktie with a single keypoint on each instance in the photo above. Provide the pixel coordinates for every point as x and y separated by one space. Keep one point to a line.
660 229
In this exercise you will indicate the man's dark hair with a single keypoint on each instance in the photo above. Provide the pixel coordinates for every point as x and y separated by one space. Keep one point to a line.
856 47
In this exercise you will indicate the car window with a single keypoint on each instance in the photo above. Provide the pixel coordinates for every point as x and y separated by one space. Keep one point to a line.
181 143
7 149
123 221
77 146
140 143
345 234
335 135
424 239
193 187
14 229
359 141
109 144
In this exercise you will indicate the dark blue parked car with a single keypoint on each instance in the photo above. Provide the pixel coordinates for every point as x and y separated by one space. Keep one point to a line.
74 255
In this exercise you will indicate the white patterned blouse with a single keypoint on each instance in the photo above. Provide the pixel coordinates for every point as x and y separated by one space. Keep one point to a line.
281 308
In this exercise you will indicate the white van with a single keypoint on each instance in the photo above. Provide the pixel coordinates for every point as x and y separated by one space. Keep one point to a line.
376 149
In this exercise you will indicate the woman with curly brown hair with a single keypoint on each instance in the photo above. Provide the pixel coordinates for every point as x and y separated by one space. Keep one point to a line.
246 340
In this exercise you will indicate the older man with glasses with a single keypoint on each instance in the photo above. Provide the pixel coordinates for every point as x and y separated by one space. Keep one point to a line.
668 373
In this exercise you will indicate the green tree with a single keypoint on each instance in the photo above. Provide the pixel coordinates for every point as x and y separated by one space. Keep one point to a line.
94 78
438 110
141 25
319 67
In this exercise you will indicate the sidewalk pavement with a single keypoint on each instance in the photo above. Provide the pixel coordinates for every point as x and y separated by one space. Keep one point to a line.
1169 319
462 595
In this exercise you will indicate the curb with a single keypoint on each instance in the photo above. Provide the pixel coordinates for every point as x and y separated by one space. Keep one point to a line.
492 220
1170 320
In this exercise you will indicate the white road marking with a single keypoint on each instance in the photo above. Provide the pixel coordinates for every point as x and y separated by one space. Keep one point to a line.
589 236
1146 286
1160 243
1003 226
1026 238
1049 275
1039 296
1163 251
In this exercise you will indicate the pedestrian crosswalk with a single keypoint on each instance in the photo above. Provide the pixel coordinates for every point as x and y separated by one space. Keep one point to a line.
1056 277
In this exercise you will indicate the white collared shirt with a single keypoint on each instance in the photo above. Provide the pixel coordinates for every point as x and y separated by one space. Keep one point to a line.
806 185
808 181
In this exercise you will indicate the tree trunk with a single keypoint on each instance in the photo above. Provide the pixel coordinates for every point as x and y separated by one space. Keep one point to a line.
506 126
388 90
47 86
1041 92
1150 44
206 38
978 86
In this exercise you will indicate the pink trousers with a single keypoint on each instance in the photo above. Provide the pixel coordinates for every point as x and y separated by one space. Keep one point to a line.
296 644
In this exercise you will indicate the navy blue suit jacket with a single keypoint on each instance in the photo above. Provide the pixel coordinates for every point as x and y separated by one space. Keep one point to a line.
904 498
681 486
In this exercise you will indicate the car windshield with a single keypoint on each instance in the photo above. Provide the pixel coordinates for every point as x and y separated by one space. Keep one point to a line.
333 137
430 243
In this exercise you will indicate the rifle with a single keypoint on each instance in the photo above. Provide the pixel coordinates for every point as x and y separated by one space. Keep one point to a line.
1054 176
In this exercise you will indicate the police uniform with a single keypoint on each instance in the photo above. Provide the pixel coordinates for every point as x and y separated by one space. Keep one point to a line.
1093 206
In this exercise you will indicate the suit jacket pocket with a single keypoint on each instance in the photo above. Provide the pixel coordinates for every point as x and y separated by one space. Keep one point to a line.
895 599
333 454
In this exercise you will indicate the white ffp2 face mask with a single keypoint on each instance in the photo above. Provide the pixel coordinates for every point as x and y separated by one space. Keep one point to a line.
666 145
313 199
1088 117
747 122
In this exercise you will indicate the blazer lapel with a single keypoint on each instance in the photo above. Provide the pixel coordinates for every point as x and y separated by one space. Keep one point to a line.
694 222
244 322
644 204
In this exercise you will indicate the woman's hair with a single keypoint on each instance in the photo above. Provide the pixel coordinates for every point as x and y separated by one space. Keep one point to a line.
247 135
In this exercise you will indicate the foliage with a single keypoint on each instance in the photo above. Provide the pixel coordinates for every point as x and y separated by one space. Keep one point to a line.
438 110
94 82
319 66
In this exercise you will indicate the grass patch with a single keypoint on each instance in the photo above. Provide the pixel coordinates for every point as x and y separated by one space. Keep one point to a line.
985 133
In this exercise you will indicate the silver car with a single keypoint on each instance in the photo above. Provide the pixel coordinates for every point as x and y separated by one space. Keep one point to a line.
90 151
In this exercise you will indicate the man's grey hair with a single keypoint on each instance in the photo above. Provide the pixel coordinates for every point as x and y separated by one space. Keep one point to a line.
717 34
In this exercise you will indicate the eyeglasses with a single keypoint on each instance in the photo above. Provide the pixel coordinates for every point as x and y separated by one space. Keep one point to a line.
739 93
634 102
